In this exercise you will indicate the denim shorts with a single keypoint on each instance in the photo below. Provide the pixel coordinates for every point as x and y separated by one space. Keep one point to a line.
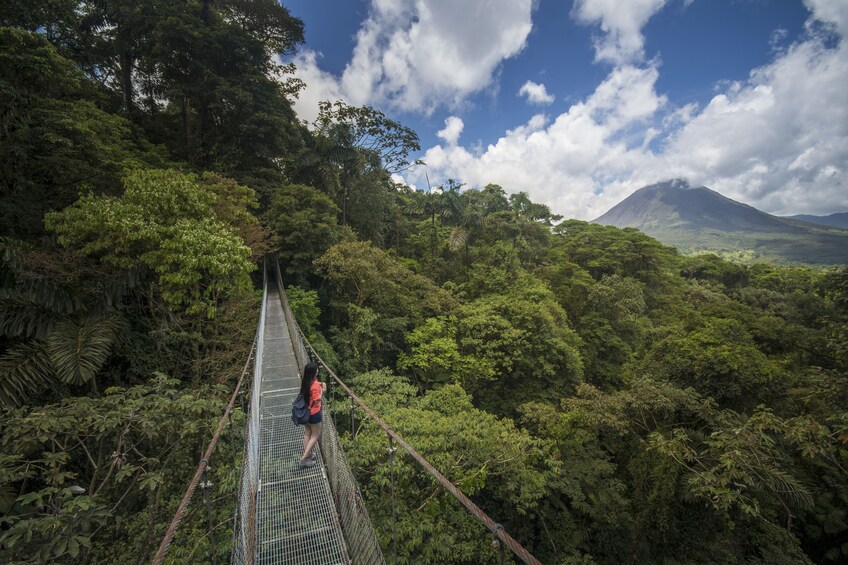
315 418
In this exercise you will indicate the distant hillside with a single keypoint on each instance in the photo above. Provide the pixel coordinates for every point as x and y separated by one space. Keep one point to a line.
697 219
839 220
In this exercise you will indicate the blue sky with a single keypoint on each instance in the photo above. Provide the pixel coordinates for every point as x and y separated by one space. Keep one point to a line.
581 103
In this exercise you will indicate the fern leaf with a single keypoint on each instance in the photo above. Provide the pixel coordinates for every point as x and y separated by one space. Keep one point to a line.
78 349
21 317
788 488
115 292
24 369
457 238
8 493
10 252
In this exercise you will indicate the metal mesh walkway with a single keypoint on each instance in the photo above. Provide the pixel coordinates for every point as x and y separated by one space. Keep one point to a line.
296 520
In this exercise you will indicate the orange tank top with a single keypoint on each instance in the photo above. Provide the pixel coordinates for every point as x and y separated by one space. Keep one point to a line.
315 397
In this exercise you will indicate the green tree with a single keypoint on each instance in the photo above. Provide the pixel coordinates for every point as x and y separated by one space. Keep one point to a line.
434 356
712 267
55 140
128 449
613 328
306 225
374 300
365 275
306 310
370 130
358 140
486 457
517 347
495 269
586 511
224 111
58 318
605 250
202 78
719 360
698 478
165 221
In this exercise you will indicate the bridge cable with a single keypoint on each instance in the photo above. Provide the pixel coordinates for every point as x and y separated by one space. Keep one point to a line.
496 529
392 450
159 558
498 532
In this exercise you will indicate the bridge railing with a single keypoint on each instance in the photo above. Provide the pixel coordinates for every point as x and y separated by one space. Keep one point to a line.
358 531
348 499
244 527
244 530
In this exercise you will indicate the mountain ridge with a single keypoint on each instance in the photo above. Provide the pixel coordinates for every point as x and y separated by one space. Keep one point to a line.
698 219
837 220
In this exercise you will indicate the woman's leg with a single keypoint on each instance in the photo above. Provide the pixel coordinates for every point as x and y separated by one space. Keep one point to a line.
307 436
313 439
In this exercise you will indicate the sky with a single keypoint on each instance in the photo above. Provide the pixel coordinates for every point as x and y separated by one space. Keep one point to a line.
580 103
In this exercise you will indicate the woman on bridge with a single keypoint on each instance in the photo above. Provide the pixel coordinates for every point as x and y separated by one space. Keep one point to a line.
313 391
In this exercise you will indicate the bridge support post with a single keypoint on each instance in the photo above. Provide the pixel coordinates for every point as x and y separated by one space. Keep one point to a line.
352 434
206 486
332 400
496 543
392 450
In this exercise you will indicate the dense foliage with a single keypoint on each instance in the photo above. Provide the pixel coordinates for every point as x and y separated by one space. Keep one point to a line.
137 140
669 409
605 398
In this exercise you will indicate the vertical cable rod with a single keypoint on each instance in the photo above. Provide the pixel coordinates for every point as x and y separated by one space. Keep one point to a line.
392 450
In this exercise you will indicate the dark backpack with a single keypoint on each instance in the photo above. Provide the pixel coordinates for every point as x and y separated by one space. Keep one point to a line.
300 411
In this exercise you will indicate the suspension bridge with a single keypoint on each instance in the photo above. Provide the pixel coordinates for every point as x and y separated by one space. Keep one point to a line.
288 514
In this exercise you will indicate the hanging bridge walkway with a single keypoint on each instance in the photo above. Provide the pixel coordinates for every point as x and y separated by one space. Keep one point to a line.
287 514
296 521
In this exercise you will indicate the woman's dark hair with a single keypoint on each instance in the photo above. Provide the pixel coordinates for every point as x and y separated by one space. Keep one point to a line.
310 373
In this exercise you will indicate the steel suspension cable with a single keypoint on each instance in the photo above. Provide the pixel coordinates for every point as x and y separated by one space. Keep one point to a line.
497 530
159 558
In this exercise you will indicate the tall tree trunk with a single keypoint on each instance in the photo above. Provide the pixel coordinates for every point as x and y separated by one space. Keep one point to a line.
203 152
185 115
126 60
344 204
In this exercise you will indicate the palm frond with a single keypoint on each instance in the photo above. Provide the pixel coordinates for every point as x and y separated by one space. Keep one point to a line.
8 494
457 239
24 369
43 293
330 178
20 316
79 348
11 252
788 488
41 290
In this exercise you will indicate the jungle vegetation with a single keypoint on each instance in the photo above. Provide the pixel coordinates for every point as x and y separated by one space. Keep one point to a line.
604 397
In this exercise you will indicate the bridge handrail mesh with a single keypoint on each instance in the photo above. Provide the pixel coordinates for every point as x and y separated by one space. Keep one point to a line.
357 528
350 492
244 528
202 467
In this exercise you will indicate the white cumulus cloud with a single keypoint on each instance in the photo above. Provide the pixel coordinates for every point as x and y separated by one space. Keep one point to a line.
453 127
778 141
562 162
417 55
621 23
536 93
833 12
